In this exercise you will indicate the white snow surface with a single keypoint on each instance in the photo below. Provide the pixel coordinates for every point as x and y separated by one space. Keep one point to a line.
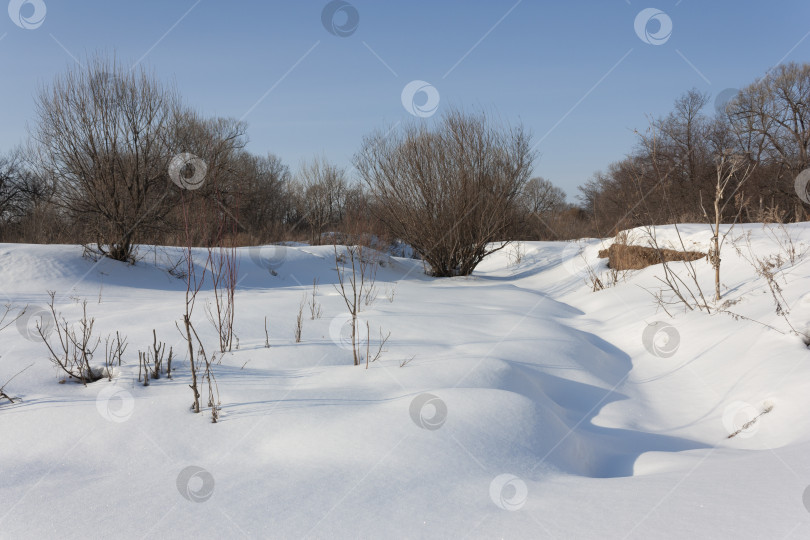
547 416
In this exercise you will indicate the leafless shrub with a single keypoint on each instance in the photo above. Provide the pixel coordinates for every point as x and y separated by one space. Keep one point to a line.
113 351
213 388
371 292
75 347
143 364
380 345
152 360
406 361
614 276
223 263
390 292
768 268
516 253
314 306
593 278
356 269
177 268
687 292
299 320
450 192
784 238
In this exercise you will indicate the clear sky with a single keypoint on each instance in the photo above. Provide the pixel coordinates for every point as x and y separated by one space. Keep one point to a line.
577 74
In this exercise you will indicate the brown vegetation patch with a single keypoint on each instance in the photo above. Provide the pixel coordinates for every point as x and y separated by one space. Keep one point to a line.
624 257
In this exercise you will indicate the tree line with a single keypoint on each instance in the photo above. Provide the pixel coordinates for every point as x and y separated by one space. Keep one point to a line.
114 153
670 175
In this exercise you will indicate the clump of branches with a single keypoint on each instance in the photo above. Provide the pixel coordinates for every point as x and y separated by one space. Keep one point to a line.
391 292
213 388
315 311
784 238
516 254
152 360
75 344
223 262
380 345
113 351
768 268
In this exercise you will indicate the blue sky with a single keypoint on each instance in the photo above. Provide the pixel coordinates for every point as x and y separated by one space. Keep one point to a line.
575 73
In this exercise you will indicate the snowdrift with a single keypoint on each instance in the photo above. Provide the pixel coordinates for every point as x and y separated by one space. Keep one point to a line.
528 405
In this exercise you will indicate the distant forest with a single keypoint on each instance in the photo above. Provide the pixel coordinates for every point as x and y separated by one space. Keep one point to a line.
98 165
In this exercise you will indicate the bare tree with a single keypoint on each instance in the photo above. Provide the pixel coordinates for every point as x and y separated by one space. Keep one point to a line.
541 196
730 168
775 109
322 190
451 191
10 187
771 119
264 195
103 131
194 283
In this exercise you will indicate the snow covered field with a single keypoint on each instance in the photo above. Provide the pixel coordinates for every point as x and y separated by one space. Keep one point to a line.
533 407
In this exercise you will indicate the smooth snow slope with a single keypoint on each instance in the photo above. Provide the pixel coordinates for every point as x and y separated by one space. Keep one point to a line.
532 408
